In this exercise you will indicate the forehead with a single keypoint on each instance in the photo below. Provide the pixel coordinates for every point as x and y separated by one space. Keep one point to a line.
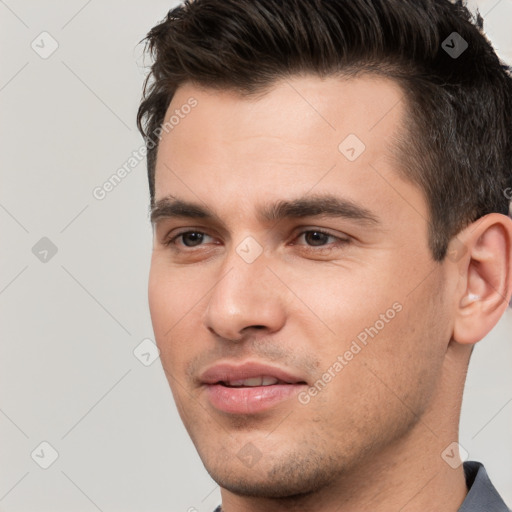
303 134
304 110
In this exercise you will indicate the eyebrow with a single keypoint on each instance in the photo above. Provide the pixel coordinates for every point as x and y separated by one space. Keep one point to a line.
311 206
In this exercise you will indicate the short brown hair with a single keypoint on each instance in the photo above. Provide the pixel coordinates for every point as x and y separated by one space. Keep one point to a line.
459 144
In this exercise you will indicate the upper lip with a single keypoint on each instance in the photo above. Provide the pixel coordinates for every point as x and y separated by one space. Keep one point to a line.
226 372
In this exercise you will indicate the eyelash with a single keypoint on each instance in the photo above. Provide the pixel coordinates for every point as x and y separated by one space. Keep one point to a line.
340 241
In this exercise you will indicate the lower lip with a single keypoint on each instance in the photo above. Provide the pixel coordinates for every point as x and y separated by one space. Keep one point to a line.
250 400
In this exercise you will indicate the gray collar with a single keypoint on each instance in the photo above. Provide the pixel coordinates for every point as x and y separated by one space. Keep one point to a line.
482 495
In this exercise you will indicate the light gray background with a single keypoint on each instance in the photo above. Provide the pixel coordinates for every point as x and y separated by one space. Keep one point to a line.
69 326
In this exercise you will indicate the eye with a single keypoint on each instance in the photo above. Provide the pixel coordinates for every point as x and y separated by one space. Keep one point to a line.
319 238
188 238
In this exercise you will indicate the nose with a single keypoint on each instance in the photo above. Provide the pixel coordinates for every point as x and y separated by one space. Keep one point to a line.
246 300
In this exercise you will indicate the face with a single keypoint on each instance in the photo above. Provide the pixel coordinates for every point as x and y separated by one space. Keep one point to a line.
292 290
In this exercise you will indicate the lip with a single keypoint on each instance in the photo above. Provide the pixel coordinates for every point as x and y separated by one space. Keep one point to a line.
249 400
229 372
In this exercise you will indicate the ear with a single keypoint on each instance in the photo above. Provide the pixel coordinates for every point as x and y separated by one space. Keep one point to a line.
485 276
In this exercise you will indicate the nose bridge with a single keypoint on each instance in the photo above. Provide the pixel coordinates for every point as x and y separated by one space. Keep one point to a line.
245 296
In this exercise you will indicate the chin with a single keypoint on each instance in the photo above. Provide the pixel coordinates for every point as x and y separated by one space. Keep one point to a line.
294 477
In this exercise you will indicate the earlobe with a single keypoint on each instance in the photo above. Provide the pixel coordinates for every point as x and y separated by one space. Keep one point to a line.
486 274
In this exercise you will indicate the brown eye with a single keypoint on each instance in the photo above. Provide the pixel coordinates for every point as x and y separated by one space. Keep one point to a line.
316 238
191 238
311 239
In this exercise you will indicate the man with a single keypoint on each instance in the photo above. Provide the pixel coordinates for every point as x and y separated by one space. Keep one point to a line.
331 238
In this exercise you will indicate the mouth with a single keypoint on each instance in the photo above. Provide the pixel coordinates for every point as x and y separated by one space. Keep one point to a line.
249 388
252 382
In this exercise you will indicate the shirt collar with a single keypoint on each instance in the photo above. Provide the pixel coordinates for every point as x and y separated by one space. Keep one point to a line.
482 495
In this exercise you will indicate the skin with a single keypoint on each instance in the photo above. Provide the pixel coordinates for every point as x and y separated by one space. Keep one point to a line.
372 439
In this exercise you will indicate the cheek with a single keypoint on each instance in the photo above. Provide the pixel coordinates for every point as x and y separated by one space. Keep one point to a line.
405 358
343 303
168 307
160 301
171 294
375 324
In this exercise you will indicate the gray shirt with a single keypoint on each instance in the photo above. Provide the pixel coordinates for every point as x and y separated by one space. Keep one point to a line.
482 495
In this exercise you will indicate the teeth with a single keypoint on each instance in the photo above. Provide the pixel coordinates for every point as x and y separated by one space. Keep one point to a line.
253 381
